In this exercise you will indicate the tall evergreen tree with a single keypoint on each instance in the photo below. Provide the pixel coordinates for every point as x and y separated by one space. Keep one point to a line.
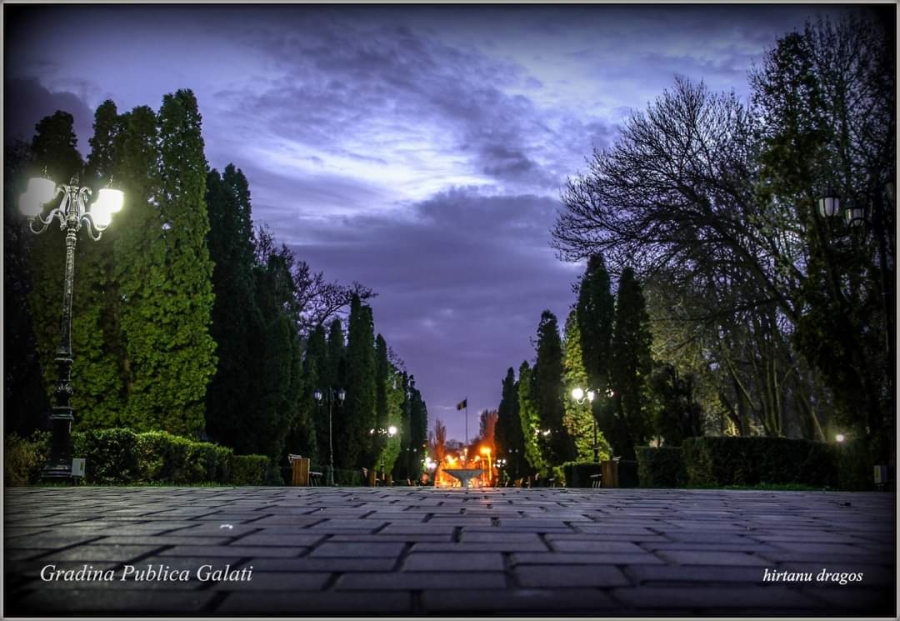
548 392
55 147
402 468
309 434
105 142
418 422
529 418
276 396
361 388
25 403
595 310
235 316
97 335
137 175
336 377
171 350
510 440
631 366
579 416
386 448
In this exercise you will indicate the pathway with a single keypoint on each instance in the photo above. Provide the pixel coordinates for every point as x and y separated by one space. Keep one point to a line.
396 551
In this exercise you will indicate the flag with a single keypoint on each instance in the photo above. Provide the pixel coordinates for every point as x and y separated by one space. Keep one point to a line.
462 404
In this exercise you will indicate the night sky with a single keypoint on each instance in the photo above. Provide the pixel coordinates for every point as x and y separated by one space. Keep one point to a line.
418 150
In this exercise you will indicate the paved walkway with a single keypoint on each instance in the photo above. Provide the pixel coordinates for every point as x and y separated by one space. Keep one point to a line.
363 551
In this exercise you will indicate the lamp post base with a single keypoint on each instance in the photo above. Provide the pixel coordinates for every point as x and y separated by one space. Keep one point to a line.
57 473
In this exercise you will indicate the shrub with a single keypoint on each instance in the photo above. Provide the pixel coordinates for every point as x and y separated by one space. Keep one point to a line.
628 473
558 473
202 462
348 478
120 456
249 469
24 458
743 461
111 454
660 467
164 458
855 465
224 457
578 474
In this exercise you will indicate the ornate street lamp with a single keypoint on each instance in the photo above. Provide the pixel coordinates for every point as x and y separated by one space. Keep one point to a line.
329 395
875 222
72 214
579 395
383 435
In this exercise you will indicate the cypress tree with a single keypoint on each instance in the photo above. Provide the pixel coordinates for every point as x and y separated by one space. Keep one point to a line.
418 429
235 316
631 366
361 387
509 437
578 417
595 312
548 392
170 348
530 420
336 376
26 405
137 174
96 331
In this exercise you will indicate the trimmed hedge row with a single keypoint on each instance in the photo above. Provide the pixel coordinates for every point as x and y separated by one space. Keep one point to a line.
578 473
120 456
660 467
751 461
718 461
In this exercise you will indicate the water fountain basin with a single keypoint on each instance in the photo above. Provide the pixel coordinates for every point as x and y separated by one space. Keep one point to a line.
464 475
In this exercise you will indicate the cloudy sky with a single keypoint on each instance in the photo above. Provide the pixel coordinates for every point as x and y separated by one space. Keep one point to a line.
419 150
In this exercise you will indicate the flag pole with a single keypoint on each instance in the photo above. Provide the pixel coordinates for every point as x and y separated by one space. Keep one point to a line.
467 423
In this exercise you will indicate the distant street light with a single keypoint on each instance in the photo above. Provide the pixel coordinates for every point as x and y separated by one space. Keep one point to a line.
72 213
839 437
329 395
579 395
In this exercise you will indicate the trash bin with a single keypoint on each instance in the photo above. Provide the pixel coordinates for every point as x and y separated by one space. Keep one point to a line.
610 471
299 470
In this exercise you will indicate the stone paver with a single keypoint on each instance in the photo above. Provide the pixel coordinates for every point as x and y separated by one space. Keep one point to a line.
417 551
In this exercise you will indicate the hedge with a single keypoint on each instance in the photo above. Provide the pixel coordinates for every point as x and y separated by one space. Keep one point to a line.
24 458
722 461
120 456
578 474
660 467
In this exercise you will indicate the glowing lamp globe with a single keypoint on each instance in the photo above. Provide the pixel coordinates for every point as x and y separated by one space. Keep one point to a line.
112 200
38 192
829 206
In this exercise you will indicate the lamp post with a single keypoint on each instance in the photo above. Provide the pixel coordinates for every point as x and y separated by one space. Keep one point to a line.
869 214
72 214
515 453
329 395
579 395
383 435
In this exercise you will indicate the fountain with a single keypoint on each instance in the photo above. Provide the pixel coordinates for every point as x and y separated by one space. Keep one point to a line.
464 475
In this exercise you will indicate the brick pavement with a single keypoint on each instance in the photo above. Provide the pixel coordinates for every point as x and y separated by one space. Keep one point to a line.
403 551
